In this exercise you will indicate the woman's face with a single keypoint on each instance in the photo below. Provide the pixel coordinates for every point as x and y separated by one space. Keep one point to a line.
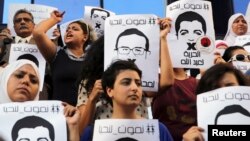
127 90
239 26
75 34
228 79
23 84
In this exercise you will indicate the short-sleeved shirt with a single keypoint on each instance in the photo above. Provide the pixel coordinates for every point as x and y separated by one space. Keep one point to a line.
104 109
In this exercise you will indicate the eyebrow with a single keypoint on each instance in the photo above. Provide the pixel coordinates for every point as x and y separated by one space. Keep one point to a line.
197 30
25 72
183 30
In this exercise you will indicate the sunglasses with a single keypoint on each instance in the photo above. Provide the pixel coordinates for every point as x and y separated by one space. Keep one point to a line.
239 57
18 20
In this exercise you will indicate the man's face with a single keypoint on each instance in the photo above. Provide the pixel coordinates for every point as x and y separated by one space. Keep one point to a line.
33 134
99 17
23 25
132 47
189 32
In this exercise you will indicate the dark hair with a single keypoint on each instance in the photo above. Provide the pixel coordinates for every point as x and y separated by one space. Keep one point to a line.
126 139
211 78
229 52
97 9
29 57
230 109
131 31
32 122
190 16
93 64
20 11
115 68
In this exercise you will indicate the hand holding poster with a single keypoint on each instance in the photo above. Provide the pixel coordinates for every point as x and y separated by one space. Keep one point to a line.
33 120
224 106
134 38
192 36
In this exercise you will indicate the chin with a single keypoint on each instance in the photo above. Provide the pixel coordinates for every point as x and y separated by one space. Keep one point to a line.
21 99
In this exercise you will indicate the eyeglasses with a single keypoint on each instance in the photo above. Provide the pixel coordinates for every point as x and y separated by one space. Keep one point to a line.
239 57
18 20
126 50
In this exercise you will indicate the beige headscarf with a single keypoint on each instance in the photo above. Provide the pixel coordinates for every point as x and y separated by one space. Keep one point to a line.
230 35
5 74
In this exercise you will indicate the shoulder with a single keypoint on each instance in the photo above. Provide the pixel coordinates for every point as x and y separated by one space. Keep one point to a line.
87 133
164 133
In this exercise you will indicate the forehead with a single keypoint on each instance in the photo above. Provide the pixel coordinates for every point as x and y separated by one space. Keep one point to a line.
99 12
190 25
239 18
132 40
23 15
34 132
239 51
74 25
127 74
27 68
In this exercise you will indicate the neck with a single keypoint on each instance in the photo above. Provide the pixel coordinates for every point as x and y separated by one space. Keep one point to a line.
119 112
24 35
76 50
180 74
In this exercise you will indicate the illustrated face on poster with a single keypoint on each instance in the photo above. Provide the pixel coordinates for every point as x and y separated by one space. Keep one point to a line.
132 50
38 130
191 39
99 16
130 37
189 27
126 139
230 112
96 16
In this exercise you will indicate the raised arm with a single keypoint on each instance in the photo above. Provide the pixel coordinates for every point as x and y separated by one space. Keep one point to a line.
72 116
166 73
44 43
88 110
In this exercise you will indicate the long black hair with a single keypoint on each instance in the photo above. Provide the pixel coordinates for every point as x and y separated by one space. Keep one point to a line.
93 64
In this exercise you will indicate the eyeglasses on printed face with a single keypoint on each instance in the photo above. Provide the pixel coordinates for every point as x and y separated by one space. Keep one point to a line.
240 57
126 50
19 20
39 139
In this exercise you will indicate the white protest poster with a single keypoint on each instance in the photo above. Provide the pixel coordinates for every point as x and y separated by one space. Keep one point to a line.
33 120
242 40
242 66
63 28
39 12
96 17
224 106
135 38
191 39
133 129
30 52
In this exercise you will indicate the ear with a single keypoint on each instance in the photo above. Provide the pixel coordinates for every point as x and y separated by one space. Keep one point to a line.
109 92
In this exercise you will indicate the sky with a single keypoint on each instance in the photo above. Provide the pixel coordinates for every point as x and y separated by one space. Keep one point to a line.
75 8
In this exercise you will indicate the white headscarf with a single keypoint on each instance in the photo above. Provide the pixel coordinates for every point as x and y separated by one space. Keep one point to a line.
230 35
6 73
